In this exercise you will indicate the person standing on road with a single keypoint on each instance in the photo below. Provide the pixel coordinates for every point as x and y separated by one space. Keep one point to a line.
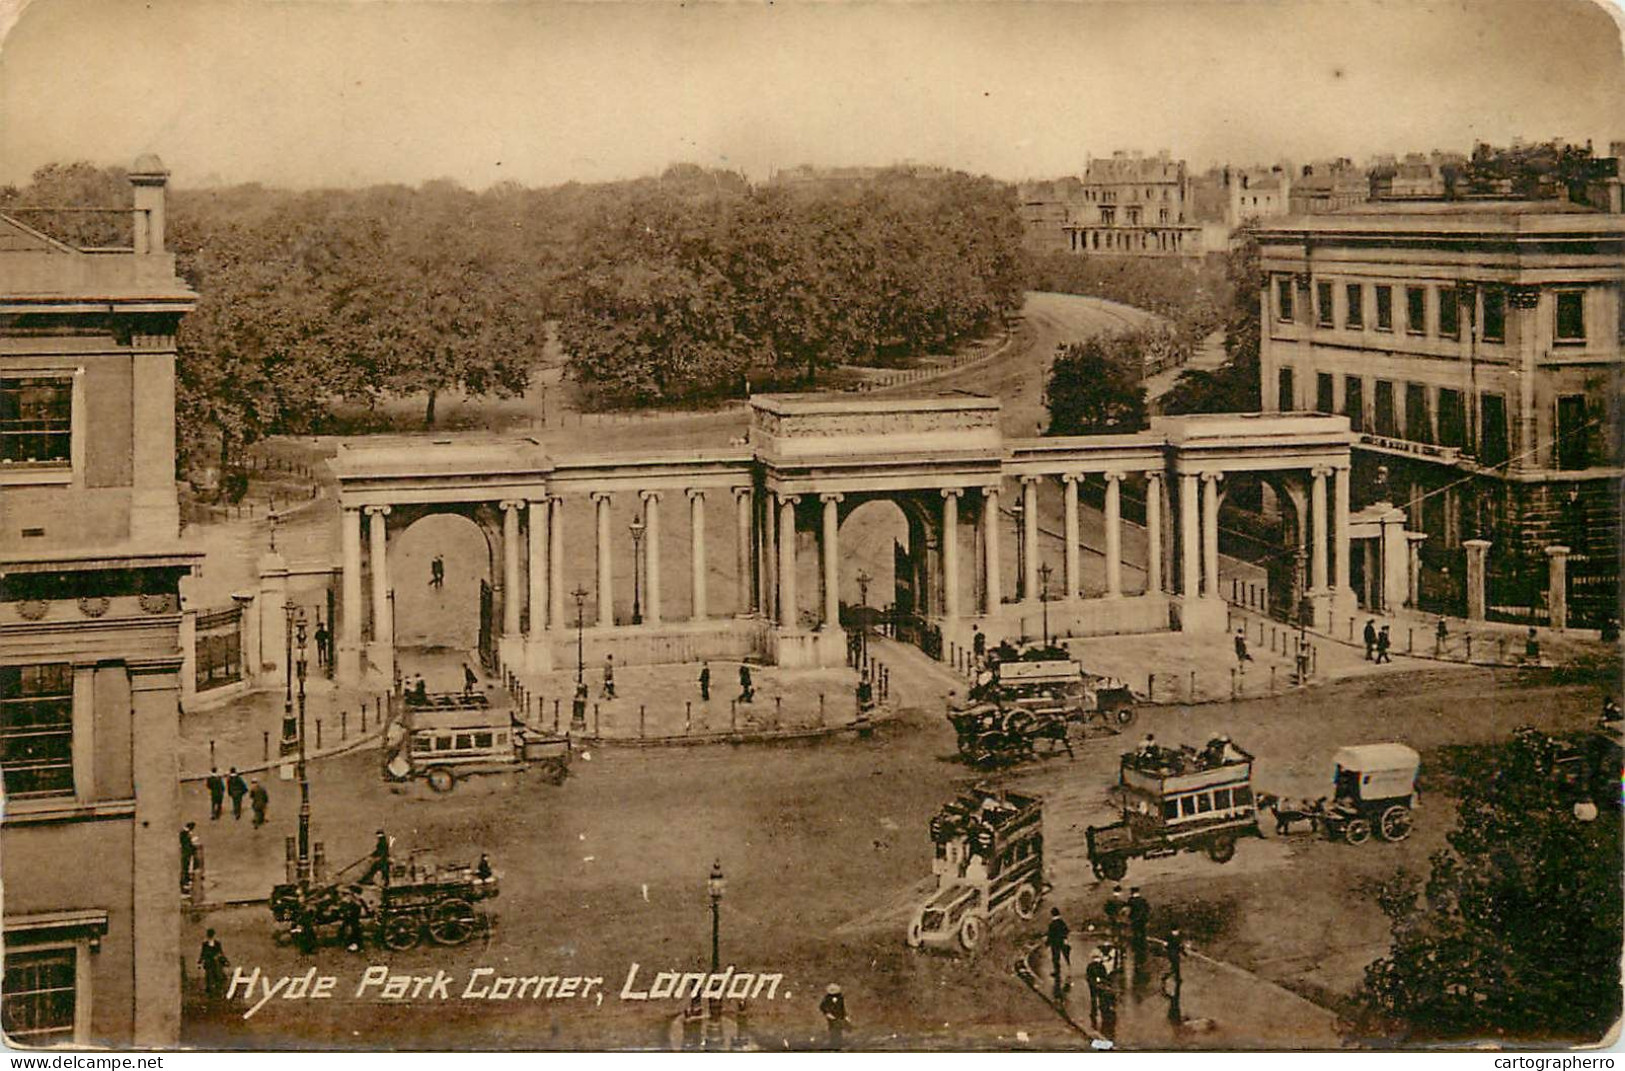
1139 915
1242 657
212 958
705 682
1060 948
1100 988
470 679
236 788
188 854
609 676
1174 946
978 643
834 1008
1115 908
1370 638
747 691
258 800
1441 632
437 572
217 793
380 861
1384 642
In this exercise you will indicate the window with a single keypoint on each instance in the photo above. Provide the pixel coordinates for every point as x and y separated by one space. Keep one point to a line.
36 420
1449 313
1242 796
1571 316
1572 432
1323 304
1108 216
1323 393
36 729
482 739
1416 310
1452 418
1386 425
1385 308
1221 799
1495 314
1354 402
40 996
1204 803
1284 400
1170 809
1283 299
1418 427
1492 429
1354 316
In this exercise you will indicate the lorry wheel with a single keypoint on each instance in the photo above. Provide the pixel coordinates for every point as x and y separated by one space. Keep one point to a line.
1112 867
1124 715
402 932
1358 831
453 922
914 935
1222 849
442 780
1395 823
971 932
1026 902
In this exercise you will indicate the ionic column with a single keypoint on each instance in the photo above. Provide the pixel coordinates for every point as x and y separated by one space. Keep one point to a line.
1557 585
1114 535
950 551
378 553
1153 532
1340 529
536 569
832 558
555 564
510 568
350 540
606 594
1029 523
1189 535
747 580
696 546
990 537
1210 534
651 555
1317 520
1074 579
788 617
770 559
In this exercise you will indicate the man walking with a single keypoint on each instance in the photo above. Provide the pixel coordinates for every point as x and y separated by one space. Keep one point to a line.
188 855
1242 657
1384 642
1370 638
1175 948
747 691
258 800
1139 915
236 788
470 679
217 793
321 644
1060 948
609 676
437 572
705 682
834 1008
212 958
1100 990
380 861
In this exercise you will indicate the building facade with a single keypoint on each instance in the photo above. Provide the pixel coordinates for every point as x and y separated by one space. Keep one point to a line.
1135 205
90 647
1475 349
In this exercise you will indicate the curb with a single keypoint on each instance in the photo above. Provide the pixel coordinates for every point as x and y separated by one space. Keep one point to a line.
1023 969
766 737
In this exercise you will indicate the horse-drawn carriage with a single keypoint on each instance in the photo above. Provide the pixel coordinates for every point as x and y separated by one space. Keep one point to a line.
1373 791
1018 703
442 902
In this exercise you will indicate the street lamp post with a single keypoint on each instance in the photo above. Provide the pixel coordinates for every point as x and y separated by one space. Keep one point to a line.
580 596
716 884
637 528
289 725
864 580
304 780
1019 510
1045 571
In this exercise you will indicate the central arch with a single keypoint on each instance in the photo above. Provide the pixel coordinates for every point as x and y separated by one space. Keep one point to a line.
455 617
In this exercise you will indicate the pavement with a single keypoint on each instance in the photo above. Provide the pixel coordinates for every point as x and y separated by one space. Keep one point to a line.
246 731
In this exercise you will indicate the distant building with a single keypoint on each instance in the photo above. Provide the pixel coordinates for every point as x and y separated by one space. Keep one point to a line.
1044 213
1135 205
1329 186
1475 348
90 648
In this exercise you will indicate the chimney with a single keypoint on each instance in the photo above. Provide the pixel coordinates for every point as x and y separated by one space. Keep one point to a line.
149 179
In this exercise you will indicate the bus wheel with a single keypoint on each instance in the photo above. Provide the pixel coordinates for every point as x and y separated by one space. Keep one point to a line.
1221 849
971 932
442 779
1113 867
1358 831
1026 902
1124 715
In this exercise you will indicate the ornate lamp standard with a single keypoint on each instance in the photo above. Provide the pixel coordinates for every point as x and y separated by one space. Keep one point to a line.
580 596
1045 571
715 885
290 727
637 528
1019 509
864 580
304 780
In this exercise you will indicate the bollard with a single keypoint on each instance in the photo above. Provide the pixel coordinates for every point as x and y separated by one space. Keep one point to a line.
688 716
1261 633
555 715
211 754
1272 680
267 736
778 710
1410 641
1501 649
378 708
1150 686
1314 659
318 734
820 710
1232 682
733 715
640 721
1469 647
1193 686
363 719
344 724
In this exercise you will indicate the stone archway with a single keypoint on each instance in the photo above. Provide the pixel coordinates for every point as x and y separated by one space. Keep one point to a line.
461 613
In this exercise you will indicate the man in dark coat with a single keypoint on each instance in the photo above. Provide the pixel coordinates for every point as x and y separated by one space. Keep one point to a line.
217 793
1100 988
1060 948
470 679
1384 642
212 958
747 691
236 788
1370 638
258 800
188 854
380 860
705 682
1139 914
1115 909
1175 948
834 1008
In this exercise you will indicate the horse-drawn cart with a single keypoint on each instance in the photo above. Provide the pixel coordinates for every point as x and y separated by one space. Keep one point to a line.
446 904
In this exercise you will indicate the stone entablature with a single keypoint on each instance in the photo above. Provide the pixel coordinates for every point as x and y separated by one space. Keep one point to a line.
789 427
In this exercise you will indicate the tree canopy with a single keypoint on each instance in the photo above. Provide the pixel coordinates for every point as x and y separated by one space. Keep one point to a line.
1094 386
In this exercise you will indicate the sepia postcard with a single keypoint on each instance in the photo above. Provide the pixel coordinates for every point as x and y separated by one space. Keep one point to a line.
642 526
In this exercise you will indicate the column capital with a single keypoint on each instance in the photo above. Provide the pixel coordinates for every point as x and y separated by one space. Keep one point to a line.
1071 477
831 496
1557 551
788 500
1212 477
694 493
990 491
376 511
539 500
952 492
601 496
1153 474
650 496
509 505
1029 480
1113 477
1320 472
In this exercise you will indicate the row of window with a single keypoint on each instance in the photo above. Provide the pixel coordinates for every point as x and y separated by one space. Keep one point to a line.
1200 803
1161 240
36 419
38 1002
1110 196
1570 325
36 730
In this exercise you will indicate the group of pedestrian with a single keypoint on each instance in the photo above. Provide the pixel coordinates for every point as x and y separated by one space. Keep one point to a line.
235 786
1128 922
1378 642
747 686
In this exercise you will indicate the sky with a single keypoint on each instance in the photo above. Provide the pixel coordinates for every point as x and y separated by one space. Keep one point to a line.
351 92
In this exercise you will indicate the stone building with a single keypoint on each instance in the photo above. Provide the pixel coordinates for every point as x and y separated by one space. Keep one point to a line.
1328 186
1475 349
1135 205
90 646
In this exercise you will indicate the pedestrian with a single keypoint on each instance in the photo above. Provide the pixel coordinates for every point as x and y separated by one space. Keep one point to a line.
188 855
1441 632
470 679
866 694
1099 982
212 958
834 1008
705 682
1174 947
578 707
1116 910
437 572
482 871
1139 914
380 861
1531 647
609 676
217 793
1060 948
236 788
1384 642
258 800
747 691
1370 638
978 642
321 644
1242 656
420 690
350 920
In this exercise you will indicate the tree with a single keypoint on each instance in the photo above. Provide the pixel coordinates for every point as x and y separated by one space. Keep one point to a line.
1234 387
1515 935
81 186
1094 388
